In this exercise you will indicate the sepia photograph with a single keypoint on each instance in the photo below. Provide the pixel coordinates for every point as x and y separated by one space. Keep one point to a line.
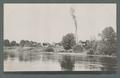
60 37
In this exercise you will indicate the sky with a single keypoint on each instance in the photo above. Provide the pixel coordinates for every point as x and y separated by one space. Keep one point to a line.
50 22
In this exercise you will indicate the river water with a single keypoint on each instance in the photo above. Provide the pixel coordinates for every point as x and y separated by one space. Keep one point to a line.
58 62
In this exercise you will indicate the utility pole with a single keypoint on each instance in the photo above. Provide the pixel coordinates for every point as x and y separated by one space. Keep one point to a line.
75 23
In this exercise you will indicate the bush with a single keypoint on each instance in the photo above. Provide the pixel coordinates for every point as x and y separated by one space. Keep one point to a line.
91 52
77 48
49 49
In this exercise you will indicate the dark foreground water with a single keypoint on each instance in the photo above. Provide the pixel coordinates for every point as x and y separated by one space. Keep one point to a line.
28 61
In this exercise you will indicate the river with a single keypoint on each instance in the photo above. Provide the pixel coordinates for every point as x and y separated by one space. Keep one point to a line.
42 61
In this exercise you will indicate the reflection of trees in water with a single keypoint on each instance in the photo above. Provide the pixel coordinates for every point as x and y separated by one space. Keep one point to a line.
28 56
32 56
48 57
92 60
109 63
6 55
11 55
67 63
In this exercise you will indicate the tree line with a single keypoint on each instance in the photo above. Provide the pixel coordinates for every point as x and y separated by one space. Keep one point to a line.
106 45
22 43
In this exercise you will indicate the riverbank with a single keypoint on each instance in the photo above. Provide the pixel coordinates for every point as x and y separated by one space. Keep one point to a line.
34 60
17 51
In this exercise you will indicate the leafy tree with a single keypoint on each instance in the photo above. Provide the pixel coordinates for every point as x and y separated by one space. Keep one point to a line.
22 43
6 42
13 43
108 34
108 44
28 43
68 41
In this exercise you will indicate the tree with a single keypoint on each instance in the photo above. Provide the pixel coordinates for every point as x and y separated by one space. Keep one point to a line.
108 34
75 22
68 41
6 42
13 43
22 43
108 44
28 43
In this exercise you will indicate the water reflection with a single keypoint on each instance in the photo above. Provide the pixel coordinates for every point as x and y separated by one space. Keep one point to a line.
49 57
67 63
5 55
28 56
109 63
11 55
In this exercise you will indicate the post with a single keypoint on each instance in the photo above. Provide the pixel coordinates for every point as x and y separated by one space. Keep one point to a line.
75 22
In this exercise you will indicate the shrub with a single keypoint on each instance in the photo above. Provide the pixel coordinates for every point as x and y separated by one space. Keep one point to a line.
91 51
77 48
49 49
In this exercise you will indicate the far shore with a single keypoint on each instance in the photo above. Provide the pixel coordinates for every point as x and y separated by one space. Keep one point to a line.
84 53
79 54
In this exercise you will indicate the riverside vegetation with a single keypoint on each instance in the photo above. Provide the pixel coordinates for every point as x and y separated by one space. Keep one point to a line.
105 47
